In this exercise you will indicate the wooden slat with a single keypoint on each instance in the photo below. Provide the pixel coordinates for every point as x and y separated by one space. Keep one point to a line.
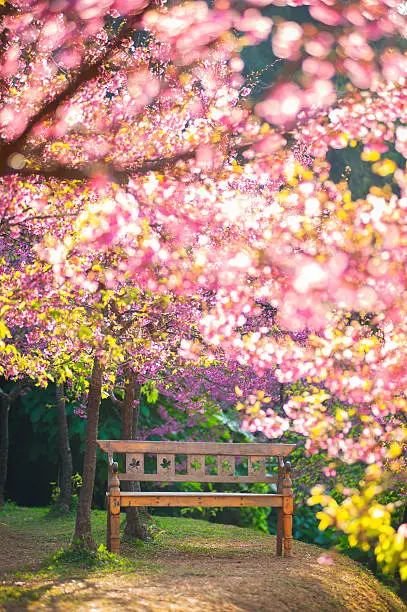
266 449
256 466
135 465
200 499
165 467
109 463
226 467
196 468
198 478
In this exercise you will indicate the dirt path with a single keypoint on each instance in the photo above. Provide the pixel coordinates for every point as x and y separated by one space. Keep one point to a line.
19 550
211 575
213 585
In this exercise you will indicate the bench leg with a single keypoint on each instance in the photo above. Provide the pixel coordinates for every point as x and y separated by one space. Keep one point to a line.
113 525
287 519
288 537
288 510
113 510
279 549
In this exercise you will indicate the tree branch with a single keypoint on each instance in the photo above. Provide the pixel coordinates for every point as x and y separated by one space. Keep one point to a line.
115 399
88 72
15 391
7 9
118 176
58 172
20 386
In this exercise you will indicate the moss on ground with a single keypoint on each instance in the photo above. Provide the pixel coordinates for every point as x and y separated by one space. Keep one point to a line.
187 565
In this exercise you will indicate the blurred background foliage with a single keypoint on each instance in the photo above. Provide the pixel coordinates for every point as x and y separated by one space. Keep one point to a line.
34 463
33 456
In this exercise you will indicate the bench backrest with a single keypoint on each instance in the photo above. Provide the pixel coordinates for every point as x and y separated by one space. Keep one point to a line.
197 461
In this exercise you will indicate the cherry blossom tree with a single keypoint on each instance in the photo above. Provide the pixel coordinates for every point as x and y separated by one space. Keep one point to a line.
130 126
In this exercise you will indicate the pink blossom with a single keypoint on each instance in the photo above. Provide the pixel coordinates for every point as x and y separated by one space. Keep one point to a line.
325 560
361 75
321 11
129 7
283 105
287 40
253 23
401 140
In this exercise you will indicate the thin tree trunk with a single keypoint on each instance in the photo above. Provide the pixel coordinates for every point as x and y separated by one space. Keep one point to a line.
136 413
128 405
136 518
282 396
65 480
403 584
5 404
6 400
83 532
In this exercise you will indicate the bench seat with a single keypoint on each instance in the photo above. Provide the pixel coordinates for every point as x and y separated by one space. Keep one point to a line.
180 500
200 462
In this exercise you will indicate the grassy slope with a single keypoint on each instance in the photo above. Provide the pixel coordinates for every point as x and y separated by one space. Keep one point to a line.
189 566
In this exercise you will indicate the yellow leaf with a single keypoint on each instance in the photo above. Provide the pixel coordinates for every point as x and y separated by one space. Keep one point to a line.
395 450
384 167
371 155
352 539
403 572
325 521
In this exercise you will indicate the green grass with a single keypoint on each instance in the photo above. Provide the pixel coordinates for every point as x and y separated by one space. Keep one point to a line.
169 534
50 535
60 527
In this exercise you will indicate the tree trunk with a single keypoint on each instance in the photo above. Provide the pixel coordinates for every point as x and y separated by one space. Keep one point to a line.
136 518
128 405
83 533
403 584
65 480
5 404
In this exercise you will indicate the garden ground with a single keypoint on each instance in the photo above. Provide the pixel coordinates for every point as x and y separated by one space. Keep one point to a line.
188 565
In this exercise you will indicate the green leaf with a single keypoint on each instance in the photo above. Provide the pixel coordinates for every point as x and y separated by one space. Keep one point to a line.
36 413
84 332
144 410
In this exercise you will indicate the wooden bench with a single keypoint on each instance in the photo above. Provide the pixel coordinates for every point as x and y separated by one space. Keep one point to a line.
205 462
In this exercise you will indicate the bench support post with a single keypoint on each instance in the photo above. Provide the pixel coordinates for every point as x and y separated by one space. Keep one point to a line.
113 511
280 477
288 509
